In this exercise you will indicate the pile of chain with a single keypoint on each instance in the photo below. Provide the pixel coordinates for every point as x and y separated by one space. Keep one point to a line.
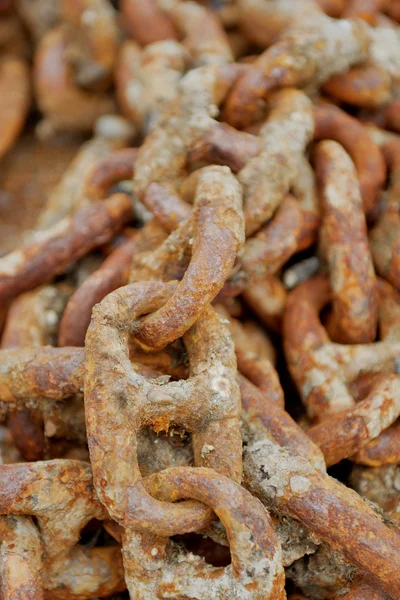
224 245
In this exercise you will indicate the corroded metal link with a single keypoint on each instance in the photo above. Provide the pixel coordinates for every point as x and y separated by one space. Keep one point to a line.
40 374
45 375
385 448
60 495
225 145
92 41
345 433
308 53
163 417
153 568
292 229
344 245
334 124
113 273
204 37
203 34
52 251
32 321
66 106
108 171
21 482
286 482
20 551
322 369
161 166
146 464
212 235
366 86
148 78
267 178
117 397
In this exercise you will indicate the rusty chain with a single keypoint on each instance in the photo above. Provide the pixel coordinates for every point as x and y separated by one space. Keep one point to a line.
199 299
